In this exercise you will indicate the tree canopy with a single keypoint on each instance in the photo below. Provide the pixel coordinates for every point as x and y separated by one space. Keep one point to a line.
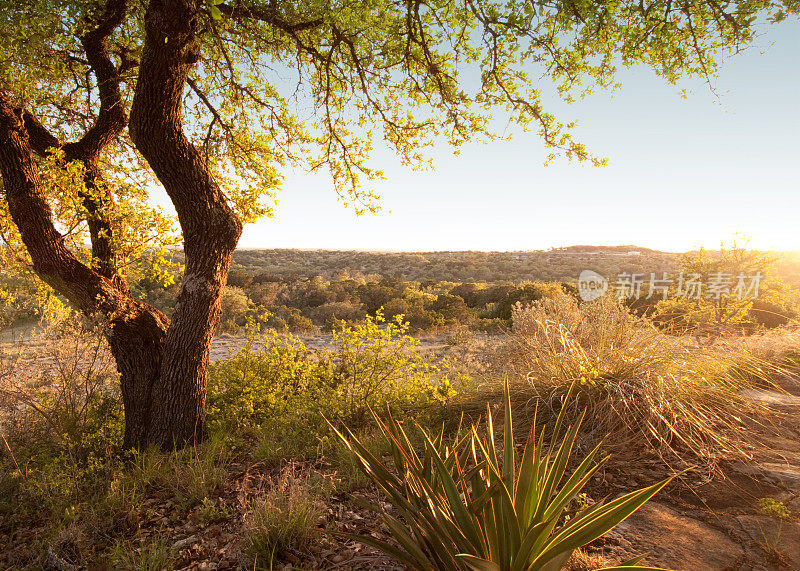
319 83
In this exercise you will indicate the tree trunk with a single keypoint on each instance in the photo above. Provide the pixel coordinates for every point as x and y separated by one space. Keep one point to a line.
163 365
163 392
210 228
137 344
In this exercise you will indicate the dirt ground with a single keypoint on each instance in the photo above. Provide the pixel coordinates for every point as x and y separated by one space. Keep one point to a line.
720 525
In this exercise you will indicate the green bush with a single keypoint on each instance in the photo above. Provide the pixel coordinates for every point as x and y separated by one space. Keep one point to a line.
235 307
375 364
394 307
329 314
368 364
270 376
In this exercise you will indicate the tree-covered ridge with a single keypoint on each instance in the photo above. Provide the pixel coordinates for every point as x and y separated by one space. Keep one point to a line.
466 266
558 264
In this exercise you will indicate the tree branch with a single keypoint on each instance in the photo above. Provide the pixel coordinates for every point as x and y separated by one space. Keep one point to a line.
110 123
41 140
269 16
111 117
25 194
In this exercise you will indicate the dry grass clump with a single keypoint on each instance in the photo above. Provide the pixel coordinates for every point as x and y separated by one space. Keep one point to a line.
154 556
60 419
580 560
49 383
780 345
283 517
188 475
648 390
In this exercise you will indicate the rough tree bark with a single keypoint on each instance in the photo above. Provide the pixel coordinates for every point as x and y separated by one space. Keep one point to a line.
210 228
162 365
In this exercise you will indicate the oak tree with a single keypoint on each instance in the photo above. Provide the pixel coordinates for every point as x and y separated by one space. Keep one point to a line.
102 100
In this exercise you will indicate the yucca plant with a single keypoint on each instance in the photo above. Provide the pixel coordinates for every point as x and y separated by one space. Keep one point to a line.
467 506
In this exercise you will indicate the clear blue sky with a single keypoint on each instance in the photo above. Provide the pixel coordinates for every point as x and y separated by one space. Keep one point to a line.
683 172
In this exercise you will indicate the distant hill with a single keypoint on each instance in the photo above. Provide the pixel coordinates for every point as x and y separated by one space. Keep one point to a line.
563 264
606 249
558 264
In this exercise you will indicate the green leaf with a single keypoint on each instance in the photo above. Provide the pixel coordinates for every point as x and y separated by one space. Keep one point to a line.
478 564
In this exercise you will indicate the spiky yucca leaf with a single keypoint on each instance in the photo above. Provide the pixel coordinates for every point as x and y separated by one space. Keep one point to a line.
461 508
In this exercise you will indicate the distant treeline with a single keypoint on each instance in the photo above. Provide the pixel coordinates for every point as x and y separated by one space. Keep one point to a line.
299 304
555 265
309 290
561 264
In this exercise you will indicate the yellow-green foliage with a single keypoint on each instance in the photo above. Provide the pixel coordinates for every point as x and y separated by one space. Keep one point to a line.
774 509
235 306
212 511
371 363
715 314
375 364
778 511
263 379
